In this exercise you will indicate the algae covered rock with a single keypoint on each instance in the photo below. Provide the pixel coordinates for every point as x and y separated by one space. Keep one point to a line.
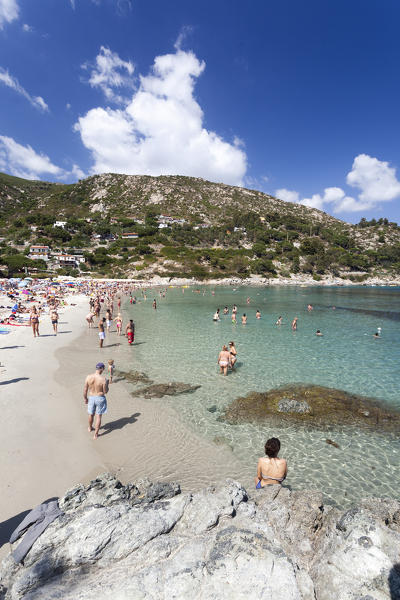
158 390
313 405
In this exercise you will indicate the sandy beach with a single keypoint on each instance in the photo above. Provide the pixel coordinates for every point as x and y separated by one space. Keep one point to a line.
45 446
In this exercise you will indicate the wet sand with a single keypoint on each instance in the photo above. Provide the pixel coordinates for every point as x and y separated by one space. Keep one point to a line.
144 438
45 446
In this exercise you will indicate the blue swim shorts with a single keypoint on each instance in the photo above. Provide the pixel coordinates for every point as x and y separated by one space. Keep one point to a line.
97 404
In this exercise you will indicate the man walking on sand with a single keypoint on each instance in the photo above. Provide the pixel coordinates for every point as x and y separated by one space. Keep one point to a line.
94 395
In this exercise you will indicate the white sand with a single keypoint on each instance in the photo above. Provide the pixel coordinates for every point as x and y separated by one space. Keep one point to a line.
45 447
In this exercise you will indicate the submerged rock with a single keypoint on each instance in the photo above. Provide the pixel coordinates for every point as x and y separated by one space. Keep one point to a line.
313 405
158 390
287 405
145 541
332 443
134 376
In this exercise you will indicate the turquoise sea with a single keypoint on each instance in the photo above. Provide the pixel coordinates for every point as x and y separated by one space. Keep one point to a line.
180 342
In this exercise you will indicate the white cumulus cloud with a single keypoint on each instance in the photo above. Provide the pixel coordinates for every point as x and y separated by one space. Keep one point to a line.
375 179
160 131
23 161
110 73
9 11
287 195
13 83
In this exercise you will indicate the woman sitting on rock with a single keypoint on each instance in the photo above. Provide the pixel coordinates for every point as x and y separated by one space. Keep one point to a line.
270 468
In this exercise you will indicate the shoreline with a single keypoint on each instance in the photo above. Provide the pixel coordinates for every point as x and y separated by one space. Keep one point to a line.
253 280
143 438
45 445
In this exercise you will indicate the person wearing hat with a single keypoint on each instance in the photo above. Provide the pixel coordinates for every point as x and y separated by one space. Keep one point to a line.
94 395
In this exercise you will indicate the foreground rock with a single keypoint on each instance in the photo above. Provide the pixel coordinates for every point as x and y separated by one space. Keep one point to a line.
145 541
313 405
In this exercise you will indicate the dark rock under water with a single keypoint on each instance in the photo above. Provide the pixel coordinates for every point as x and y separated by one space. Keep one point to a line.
312 405
158 390
134 377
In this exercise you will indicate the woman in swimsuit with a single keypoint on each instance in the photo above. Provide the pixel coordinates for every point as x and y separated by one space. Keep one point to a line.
271 469
232 354
35 322
223 360
108 319
118 321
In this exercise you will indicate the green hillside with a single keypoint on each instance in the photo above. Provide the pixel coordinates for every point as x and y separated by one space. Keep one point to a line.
208 230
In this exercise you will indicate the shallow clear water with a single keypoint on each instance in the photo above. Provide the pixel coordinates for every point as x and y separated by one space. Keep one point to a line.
180 342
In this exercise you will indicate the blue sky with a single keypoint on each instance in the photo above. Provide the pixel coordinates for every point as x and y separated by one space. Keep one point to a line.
300 100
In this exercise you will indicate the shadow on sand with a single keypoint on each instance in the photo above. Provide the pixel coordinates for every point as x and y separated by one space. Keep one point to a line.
11 347
118 424
13 380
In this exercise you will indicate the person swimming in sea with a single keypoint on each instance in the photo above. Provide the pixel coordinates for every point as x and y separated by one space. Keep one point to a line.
318 332
279 321
226 310
271 470
258 315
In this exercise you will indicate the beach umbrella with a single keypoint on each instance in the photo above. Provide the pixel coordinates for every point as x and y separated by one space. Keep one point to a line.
28 279
26 292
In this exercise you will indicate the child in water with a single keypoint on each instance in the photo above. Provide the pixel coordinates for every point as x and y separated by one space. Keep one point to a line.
111 368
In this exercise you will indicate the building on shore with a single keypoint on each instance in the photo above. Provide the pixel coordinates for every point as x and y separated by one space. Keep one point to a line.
39 252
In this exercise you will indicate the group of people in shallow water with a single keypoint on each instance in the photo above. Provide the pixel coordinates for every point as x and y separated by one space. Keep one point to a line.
104 323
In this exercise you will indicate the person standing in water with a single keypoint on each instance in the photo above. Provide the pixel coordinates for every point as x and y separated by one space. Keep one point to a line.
102 333
223 360
279 321
154 304
294 324
94 395
232 355
108 319
216 315
258 315
130 332
244 319
118 321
